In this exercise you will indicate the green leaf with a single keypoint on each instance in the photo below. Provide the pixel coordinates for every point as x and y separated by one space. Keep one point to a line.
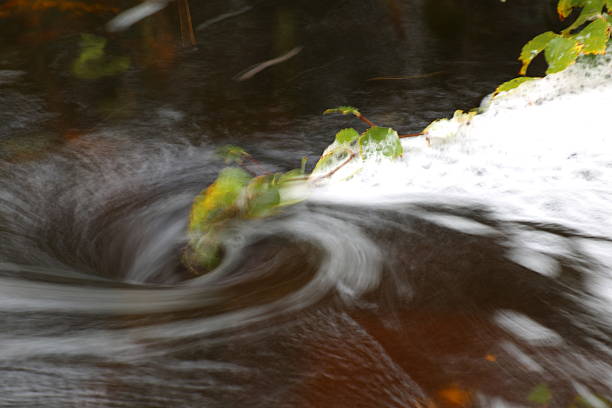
203 253
591 10
347 136
594 37
533 48
513 83
380 140
565 7
218 201
332 158
609 6
92 63
560 53
231 154
262 197
345 110
540 394
291 175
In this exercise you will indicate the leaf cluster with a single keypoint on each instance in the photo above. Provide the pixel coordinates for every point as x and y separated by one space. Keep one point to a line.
589 33
237 195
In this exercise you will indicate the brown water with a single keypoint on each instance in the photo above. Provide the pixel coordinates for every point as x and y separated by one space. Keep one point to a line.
322 306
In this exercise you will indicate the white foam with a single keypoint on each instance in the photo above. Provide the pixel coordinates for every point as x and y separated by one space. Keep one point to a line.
540 152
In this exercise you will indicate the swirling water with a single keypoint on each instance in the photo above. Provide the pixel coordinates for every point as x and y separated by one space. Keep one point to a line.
430 297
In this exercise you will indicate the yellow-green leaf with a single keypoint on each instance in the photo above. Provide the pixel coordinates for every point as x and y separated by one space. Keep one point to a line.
565 7
231 154
540 394
262 197
380 140
344 110
347 136
591 10
217 201
594 37
93 63
560 53
533 48
513 83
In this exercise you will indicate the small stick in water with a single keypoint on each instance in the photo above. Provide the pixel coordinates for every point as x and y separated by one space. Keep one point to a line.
266 64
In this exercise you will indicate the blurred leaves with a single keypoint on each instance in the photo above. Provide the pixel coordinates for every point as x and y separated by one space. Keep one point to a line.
236 195
93 63
540 395
232 154
211 211
218 201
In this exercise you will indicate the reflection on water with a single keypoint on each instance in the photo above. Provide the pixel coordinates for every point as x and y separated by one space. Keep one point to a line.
322 306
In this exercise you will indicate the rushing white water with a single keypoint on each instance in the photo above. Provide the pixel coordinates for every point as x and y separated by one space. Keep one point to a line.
541 152
381 289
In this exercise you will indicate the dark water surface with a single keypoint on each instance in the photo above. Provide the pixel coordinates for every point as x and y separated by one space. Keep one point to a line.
322 306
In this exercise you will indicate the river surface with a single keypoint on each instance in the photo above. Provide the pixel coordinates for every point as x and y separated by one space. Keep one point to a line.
329 304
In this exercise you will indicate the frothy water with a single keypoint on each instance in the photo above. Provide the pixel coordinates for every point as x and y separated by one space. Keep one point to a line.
478 268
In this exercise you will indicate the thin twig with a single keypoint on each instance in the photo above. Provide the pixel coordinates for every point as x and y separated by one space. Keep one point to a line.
257 164
222 17
366 120
331 173
266 64
411 135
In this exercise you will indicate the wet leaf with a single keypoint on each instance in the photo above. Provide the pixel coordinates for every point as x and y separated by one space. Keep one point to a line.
347 136
380 140
344 110
218 201
231 154
262 197
591 10
204 253
290 176
560 53
93 63
533 48
594 37
565 7
513 83
540 394
331 159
